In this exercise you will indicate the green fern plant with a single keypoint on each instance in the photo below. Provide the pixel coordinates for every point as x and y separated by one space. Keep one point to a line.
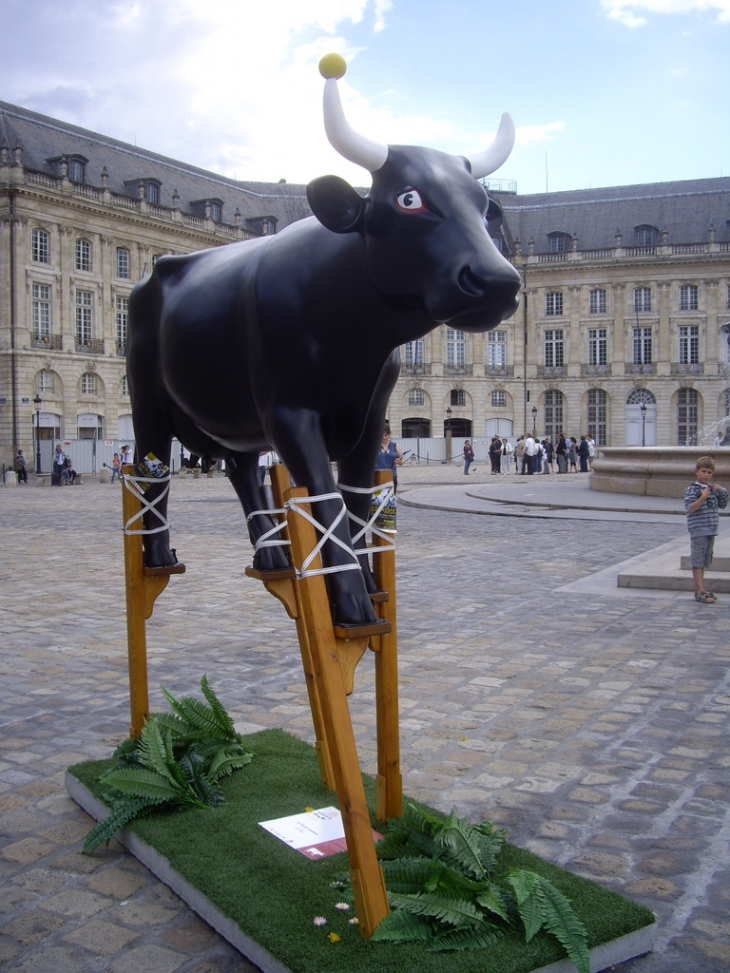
177 761
444 889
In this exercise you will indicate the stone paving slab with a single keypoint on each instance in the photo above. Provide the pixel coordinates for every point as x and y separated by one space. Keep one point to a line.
591 722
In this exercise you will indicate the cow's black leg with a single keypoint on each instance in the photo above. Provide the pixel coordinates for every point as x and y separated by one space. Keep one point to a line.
243 472
157 552
299 440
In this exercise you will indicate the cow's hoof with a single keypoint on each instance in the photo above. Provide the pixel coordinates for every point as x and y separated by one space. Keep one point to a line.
271 559
159 556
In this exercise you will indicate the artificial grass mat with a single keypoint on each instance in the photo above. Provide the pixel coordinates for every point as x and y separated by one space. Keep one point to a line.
273 893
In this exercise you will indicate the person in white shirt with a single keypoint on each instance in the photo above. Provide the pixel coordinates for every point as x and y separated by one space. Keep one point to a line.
530 449
507 451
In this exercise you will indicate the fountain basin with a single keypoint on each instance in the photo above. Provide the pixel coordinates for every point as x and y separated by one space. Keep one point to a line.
654 471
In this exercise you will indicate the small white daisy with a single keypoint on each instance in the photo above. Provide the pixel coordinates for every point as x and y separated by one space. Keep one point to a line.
320 921
343 906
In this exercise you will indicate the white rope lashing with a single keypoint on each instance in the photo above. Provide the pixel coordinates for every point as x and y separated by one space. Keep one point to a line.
384 492
132 483
268 538
295 505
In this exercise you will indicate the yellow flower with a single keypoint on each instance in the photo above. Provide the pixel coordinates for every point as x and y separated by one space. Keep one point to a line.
309 809
333 937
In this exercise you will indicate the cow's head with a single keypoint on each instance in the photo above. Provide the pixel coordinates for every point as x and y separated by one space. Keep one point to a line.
423 222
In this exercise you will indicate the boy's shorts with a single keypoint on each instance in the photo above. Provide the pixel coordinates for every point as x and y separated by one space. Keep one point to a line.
701 549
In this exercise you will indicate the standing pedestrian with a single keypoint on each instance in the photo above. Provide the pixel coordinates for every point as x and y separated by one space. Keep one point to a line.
507 451
548 447
561 451
584 453
495 454
390 455
20 467
572 445
702 501
60 475
468 457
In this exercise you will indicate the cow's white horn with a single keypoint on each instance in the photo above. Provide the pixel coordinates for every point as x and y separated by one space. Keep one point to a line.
356 148
486 162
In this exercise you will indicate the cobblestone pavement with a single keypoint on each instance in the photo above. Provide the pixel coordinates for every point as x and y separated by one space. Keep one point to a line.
594 727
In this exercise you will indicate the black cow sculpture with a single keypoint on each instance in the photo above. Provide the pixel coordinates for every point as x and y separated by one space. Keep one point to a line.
291 341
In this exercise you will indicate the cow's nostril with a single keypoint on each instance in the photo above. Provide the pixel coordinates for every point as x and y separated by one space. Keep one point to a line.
470 283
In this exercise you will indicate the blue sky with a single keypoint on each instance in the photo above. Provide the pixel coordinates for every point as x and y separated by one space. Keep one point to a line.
603 92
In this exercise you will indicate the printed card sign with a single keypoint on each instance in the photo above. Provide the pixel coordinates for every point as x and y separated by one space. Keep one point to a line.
314 834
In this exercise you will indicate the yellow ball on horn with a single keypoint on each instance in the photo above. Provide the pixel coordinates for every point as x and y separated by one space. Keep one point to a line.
332 66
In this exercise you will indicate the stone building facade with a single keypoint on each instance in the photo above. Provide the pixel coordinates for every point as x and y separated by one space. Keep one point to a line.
623 330
82 219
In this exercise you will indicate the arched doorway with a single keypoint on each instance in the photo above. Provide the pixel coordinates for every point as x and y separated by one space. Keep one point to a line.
640 423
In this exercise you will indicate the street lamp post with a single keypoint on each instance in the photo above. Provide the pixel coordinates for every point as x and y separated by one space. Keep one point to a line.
643 423
534 418
37 403
447 433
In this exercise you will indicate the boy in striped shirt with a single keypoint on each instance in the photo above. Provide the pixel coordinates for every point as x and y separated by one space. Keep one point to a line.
702 501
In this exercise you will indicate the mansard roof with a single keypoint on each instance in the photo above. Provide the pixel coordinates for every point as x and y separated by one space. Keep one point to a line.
43 139
684 209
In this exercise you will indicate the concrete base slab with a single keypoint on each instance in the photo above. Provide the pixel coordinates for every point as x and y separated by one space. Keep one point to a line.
603 957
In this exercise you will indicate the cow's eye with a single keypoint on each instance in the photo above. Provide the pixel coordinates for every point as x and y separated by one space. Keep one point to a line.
411 202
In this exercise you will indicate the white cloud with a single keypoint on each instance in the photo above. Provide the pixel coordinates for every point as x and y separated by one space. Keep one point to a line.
629 12
529 134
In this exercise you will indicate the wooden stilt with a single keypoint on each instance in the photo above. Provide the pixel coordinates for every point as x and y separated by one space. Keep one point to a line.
365 873
282 586
389 782
143 587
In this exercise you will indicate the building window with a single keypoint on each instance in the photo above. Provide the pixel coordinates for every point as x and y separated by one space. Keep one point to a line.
84 317
597 301
597 346
554 357
40 247
455 348
152 193
597 416
45 381
689 345
458 397
727 302
122 263
645 236
688 297
122 323
41 294
83 255
554 304
413 353
497 349
642 346
553 414
88 383
416 397
687 411
557 243
642 299
76 170
215 212
499 399
125 385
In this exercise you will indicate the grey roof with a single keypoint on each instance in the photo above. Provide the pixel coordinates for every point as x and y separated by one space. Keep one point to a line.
42 138
684 209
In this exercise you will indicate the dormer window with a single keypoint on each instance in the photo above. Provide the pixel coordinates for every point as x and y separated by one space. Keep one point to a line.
558 242
645 236
215 211
152 192
76 170
262 225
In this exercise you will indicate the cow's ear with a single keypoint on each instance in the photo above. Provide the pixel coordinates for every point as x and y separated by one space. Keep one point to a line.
336 204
